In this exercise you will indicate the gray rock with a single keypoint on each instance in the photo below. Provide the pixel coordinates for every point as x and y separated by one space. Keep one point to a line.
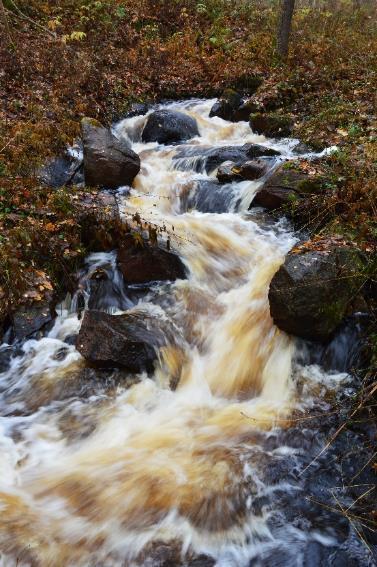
30 320
130 341
169 127
108 162
249 170
226 173
310 292
253 169
61 171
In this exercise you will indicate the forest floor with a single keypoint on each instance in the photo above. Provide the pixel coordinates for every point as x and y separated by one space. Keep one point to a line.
68 59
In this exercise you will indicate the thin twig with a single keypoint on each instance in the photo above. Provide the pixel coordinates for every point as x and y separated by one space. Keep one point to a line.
23 16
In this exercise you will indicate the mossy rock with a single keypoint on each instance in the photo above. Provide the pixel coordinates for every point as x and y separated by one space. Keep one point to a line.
311 291
87 121
287 186
272 125
248 83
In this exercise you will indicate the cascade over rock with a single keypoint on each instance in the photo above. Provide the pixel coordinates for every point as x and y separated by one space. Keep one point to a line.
212 158
207 196
169 126
310 293
108 162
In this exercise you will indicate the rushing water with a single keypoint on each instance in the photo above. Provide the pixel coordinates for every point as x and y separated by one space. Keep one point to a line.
103 472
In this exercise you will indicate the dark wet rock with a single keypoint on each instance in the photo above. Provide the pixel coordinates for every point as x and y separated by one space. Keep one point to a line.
32 320
271 125
129 341
227 104
169 127
211 158
207 196
201 561
349 349
246 108
138 109
253 169
238 154
342 559
310 292
160 554
285 187
6 355
249 170
302 148
254 151
141 264
108 162
227 174
61 171
274 198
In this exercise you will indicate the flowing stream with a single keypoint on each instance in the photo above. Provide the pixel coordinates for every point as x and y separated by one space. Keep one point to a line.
106 472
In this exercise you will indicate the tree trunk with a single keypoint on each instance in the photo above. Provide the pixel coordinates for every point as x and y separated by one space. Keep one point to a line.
284 30
4 20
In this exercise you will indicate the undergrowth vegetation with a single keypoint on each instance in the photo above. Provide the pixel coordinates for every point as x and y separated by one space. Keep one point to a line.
72 58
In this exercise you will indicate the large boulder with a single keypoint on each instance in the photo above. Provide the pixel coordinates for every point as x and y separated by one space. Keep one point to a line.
142 264
272 125
310 292
130 340
169 127
108 162
285 187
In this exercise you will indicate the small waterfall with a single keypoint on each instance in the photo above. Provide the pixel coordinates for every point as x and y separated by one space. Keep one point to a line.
99 478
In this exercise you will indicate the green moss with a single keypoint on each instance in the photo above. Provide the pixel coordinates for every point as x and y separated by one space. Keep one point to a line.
91 122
